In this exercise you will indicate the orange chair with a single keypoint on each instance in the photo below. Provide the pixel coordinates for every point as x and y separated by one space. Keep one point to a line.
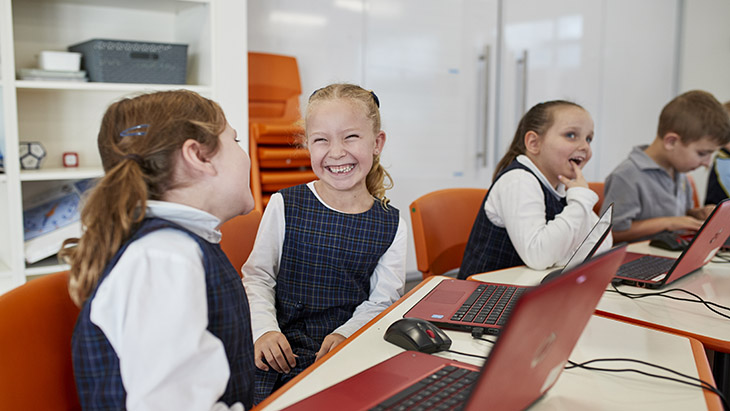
273 101
238 237
274 88
442 221
597 187
36 323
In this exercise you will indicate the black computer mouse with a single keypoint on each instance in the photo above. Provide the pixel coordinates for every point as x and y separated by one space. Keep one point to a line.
415 334
668 241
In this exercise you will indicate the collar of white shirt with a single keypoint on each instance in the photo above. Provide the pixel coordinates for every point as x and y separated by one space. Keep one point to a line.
525 161
197 221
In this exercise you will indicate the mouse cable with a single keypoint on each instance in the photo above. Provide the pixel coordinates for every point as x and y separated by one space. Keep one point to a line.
484 357
698 299
699 383
724 257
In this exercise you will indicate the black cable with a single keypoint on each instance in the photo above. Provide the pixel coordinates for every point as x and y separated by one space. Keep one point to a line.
484 357
702 384
724 256
708 304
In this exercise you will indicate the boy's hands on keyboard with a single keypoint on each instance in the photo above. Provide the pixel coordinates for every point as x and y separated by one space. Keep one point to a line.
275 349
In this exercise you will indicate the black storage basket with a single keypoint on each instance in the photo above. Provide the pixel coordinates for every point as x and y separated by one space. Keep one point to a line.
119 61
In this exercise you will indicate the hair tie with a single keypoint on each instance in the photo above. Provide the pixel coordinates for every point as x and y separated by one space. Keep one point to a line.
134 157
377 101
132 131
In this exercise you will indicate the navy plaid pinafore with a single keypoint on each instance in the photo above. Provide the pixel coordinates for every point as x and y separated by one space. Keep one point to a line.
327 260
489 247
96 365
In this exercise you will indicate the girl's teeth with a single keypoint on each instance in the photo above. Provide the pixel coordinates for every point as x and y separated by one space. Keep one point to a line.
343 169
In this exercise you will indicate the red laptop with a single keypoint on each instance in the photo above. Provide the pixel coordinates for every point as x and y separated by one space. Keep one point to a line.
485 307
650 271
526 361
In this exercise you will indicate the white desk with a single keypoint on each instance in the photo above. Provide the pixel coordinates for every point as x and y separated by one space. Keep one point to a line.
576 388
712 283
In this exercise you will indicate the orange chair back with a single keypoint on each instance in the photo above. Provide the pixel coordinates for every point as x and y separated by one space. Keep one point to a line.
695 194
238 237
36 323
597 187
274 87
442 221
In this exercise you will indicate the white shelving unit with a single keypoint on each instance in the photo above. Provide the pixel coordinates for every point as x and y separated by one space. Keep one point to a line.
65 116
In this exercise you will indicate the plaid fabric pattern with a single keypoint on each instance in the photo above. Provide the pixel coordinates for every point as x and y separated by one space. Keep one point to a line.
489 247
326 263
96 365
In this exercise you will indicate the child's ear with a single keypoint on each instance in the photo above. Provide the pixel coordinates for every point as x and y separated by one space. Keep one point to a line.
532 142
670 141
379 142
195 158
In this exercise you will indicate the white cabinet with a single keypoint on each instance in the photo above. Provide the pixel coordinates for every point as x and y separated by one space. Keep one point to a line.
65 116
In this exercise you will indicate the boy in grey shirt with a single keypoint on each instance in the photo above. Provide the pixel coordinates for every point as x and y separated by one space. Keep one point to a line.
650 190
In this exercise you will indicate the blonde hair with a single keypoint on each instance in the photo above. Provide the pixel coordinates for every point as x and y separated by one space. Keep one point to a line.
378 179
137 141
538 119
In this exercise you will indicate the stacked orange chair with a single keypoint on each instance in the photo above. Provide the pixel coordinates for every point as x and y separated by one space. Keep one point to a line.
273 103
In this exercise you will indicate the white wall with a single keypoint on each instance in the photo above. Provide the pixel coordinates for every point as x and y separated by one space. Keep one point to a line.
705 56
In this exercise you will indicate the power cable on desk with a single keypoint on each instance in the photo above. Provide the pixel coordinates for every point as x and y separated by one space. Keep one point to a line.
698 299
474 355
699 383
724 256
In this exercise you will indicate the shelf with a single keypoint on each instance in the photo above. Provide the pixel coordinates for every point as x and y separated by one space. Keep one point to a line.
97 86
61 173
46 266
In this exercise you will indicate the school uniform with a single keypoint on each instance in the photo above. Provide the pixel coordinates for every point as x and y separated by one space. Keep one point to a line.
641 189
718 181
315 271
525 221
168 324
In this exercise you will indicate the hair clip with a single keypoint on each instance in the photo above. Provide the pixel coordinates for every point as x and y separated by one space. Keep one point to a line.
313 93
377 101
131 131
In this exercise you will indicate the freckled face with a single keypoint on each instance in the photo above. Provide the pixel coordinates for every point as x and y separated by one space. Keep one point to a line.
567 141
342 144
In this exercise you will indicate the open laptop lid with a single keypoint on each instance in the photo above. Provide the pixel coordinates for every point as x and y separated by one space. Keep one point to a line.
591 243
705 244
542 331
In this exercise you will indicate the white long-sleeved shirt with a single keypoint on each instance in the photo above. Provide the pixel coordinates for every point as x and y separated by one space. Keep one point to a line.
153 309
516 202
262 267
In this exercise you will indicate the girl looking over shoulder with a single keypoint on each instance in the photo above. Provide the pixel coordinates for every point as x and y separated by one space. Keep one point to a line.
329 255
164 320
539 207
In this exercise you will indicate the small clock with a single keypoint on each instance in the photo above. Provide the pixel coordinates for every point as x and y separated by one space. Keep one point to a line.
70 159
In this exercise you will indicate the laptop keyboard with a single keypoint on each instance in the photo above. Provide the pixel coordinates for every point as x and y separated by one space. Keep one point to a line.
645 268
446 389
489 304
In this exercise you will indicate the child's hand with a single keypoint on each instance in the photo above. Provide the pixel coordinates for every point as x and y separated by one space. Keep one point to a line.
579 180
682 223
274 347
330 342
701 213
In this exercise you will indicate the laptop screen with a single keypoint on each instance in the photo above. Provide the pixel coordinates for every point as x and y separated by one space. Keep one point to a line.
593 240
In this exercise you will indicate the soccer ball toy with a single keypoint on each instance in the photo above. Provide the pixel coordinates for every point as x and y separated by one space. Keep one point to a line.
31 155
